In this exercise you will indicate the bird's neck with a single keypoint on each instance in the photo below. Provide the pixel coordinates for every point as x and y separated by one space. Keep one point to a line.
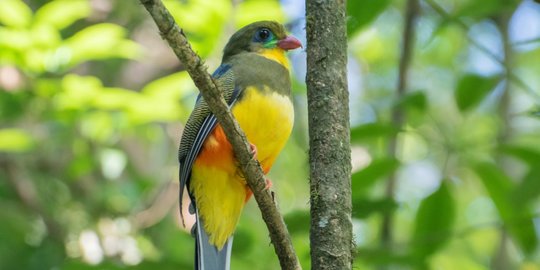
276 54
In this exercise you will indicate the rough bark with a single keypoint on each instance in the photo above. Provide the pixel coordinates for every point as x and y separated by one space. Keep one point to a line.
329 135
255 178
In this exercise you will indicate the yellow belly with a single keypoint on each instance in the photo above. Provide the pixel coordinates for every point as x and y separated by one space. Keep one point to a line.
220 191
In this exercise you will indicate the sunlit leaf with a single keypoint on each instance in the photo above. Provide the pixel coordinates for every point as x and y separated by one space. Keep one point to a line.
44 36
376 170
362 12
434 222
175 86
472 89
15 13
372 130
202 21
15 140
101 41
78 92
115 98
97 126
144 109
517 217
80 166
15 39
62 13
250 11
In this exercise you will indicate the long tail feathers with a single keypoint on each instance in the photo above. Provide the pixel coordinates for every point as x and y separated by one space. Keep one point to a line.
207 256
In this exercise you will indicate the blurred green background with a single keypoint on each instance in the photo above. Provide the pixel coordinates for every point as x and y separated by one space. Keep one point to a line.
92 105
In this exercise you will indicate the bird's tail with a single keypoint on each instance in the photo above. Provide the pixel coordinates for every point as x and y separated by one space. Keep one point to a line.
207 256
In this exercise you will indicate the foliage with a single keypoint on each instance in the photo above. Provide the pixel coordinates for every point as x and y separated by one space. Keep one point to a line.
467 177
92 104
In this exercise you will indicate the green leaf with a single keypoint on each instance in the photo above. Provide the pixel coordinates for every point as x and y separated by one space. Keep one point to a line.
498 185
12 105
363 12
62 13
15 140
364 132
243 240
376 170
416 100
472 89
527 154
364 207
534 111
480 9
15 13
385 256
298 221
528 189
516 216
434 222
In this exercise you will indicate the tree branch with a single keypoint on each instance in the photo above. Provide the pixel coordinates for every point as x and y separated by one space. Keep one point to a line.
329 135
398 114
212 95
501 257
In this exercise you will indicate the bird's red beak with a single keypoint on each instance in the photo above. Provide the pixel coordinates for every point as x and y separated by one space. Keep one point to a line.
289 43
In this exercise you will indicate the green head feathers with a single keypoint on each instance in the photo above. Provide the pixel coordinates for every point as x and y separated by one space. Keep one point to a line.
258 36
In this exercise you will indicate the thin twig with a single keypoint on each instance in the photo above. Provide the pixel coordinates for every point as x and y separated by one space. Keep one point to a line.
398 114
172 33
510 74
501 257
26 191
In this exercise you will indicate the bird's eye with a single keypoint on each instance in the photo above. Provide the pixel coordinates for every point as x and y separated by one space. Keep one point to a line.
263 35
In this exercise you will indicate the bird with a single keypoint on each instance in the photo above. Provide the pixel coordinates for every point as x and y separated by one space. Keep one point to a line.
254 77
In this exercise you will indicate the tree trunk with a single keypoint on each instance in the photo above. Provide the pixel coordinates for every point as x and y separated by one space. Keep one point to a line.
330 154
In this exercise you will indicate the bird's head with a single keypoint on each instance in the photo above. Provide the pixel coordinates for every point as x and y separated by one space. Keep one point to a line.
260 37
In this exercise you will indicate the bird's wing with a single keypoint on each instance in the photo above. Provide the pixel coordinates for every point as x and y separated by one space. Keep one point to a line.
200 123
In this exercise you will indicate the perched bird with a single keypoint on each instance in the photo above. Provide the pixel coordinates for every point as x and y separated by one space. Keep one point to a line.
255 80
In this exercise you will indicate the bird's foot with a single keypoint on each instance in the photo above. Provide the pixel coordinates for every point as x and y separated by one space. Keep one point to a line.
253 149
269 183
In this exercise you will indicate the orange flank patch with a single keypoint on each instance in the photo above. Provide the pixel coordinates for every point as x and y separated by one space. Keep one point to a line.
217 151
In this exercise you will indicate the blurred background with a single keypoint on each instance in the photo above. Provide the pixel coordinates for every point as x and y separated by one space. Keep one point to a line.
93 102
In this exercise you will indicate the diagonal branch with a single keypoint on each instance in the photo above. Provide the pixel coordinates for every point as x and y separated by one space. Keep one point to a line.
172 33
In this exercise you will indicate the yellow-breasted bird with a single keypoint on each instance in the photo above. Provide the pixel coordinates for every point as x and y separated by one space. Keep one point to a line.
254 78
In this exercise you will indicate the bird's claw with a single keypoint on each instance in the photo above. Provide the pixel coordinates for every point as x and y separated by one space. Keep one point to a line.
269 183
253 149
